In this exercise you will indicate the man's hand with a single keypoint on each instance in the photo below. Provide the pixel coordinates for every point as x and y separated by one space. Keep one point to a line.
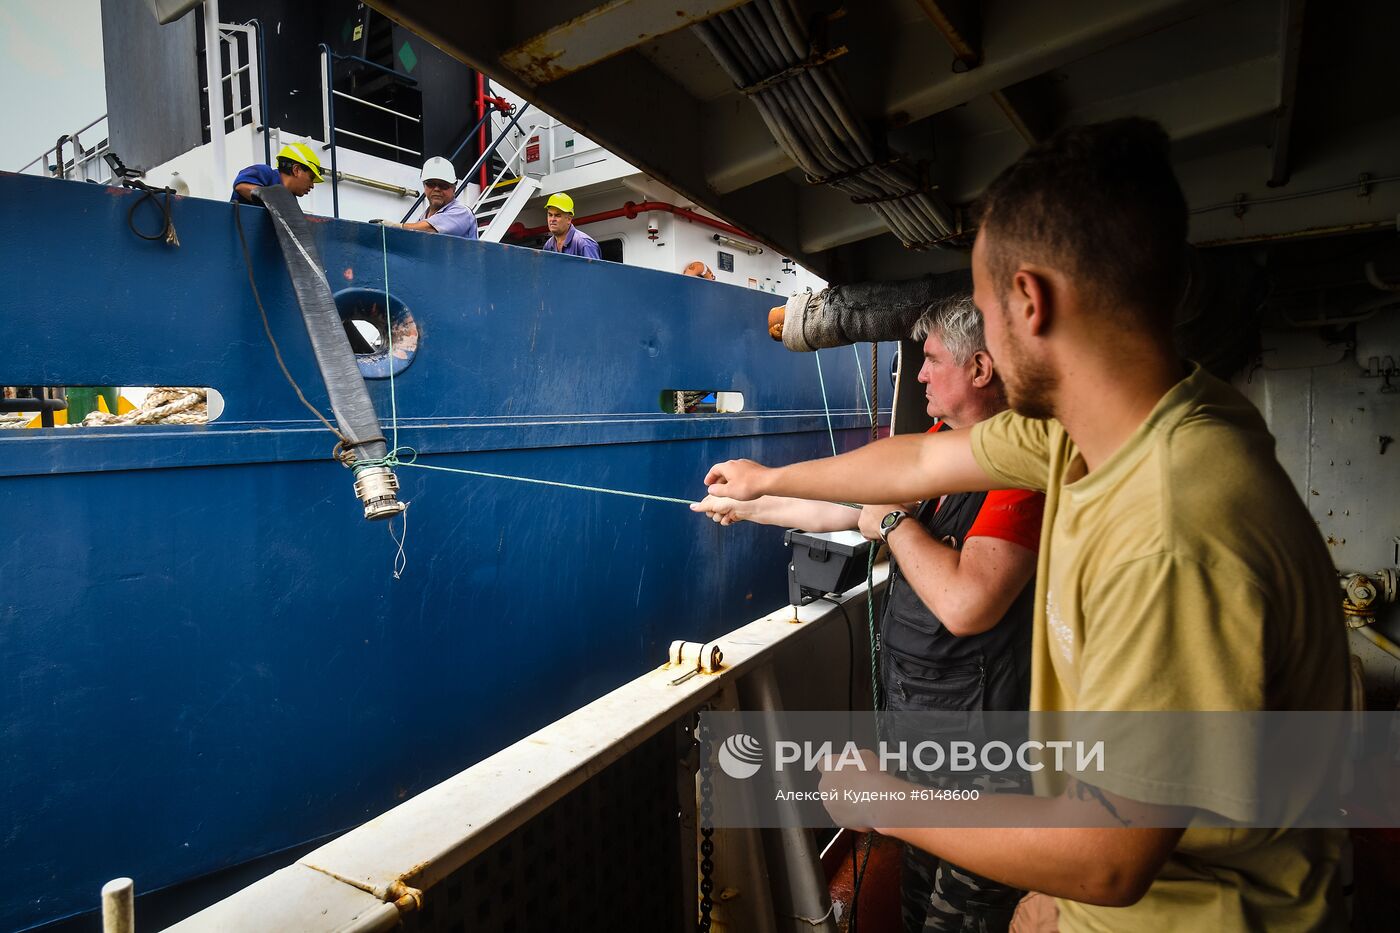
738 479
842 788
724 511
870 516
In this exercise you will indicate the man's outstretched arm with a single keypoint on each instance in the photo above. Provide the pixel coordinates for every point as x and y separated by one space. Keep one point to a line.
777 510
906 468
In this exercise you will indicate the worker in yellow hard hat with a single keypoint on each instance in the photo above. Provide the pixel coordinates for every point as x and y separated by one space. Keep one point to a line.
298 169
564 237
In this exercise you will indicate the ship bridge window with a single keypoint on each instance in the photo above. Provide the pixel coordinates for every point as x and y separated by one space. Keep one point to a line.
611 250
700 401
362 311
107 406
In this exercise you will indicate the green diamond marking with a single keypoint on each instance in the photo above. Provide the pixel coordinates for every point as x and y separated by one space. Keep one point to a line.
407 58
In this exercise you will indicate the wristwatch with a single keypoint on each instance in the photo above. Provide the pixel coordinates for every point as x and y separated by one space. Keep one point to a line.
890 522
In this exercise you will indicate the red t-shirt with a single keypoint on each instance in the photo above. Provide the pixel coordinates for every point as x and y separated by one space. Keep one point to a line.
1009 514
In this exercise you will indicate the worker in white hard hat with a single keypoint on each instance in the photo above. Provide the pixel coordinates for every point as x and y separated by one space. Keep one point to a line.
298 170
564 237
445 214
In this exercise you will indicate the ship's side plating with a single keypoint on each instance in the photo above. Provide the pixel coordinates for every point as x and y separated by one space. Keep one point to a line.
207 655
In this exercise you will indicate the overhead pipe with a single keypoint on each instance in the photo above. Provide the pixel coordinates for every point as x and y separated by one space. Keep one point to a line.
632 210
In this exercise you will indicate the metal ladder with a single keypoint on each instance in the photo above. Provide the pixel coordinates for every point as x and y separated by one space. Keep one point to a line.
501 201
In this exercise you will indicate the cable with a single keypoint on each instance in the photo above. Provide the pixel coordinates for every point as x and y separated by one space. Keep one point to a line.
850 652
167 229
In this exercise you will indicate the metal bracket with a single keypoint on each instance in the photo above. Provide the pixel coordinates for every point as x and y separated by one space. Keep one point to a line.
815 61
695 658
851 173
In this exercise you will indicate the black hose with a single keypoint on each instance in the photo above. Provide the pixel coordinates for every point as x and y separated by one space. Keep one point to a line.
350 401
167 227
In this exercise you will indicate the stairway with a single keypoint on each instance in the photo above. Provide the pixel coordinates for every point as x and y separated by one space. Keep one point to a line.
501 204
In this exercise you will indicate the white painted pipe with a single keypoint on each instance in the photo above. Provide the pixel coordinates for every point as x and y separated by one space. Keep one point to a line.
214 81
118 906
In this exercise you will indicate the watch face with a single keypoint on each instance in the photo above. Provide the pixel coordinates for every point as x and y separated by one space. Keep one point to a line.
890 520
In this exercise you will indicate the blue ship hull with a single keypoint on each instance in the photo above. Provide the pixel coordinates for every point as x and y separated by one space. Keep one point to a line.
206 656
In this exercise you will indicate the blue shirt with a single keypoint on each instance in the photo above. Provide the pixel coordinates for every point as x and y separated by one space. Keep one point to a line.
455 219
576 243
260 175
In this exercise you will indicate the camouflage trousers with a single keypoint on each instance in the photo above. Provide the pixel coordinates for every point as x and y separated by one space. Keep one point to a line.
937 896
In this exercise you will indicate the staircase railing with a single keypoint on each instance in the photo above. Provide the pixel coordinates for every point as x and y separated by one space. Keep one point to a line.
515 166
481 159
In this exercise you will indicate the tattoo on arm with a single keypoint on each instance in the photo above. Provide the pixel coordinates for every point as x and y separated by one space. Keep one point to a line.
1081 791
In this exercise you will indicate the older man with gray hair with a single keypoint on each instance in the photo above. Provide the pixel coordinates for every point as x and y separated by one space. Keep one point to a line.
956 626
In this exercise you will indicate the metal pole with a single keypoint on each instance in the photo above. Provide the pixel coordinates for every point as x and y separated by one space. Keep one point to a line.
213 78
262 91
328 111
118 906
794 865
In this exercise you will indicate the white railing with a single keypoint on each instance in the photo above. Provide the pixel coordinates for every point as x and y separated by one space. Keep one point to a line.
241 67
82 164
514 164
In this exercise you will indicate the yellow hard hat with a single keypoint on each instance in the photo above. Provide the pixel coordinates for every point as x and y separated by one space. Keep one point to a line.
561 201
302 154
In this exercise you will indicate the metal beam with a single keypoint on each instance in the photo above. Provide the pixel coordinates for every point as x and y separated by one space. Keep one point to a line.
1290 43
1026 40
1023 42
960 22
1191 108
1022 118
603 32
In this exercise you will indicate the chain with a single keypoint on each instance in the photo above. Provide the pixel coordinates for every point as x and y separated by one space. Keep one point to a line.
707 829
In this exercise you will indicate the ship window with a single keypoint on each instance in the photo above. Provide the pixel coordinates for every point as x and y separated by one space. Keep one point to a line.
700 401
107 406
611 250
362 311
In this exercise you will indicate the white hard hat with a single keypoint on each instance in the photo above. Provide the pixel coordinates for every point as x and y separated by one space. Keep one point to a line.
440 168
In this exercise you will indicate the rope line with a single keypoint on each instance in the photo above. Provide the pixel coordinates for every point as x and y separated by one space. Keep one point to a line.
826 406
545 482
389 329
860 377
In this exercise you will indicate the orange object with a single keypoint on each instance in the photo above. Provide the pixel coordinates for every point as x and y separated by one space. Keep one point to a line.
775 322
699 269
879 883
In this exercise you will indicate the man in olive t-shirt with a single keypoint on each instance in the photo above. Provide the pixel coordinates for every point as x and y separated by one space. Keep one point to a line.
1178 569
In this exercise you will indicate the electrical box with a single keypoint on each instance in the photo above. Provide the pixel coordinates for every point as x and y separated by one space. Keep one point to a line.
824 562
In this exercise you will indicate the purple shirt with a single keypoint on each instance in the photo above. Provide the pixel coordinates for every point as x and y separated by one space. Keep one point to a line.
576 243
260 175
454 219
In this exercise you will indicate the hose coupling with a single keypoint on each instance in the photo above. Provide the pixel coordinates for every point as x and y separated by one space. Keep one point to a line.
378 488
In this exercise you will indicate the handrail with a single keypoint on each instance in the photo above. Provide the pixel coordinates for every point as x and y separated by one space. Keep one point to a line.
506 164
370 103
256 24
328 95
481 160
406 79
81 154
